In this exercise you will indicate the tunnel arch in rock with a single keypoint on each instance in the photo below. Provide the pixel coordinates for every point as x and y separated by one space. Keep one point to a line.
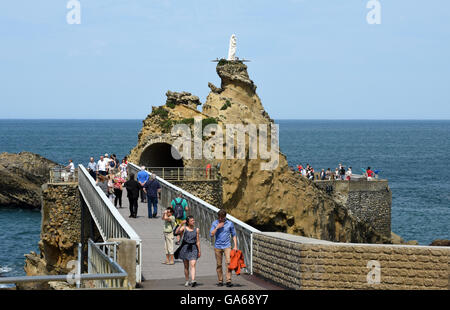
159 154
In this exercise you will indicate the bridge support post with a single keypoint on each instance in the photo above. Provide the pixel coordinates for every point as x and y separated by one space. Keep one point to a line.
126 258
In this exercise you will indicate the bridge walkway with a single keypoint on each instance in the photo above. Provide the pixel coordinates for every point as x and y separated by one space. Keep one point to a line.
171 277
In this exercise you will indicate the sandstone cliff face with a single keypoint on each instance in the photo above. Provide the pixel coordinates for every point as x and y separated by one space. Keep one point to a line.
271 200
60 234
21 178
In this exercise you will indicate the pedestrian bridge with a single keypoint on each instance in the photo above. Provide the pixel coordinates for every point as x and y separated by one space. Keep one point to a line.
146 234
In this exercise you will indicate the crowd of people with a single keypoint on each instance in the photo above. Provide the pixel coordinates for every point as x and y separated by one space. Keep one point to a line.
340 173
179 227
110 176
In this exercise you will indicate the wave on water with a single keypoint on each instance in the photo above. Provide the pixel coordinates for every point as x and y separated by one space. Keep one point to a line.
4 269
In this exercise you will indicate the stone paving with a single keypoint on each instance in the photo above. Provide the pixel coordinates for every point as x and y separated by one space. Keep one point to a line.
171 277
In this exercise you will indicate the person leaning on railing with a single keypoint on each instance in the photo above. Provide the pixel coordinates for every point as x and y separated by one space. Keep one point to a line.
71 169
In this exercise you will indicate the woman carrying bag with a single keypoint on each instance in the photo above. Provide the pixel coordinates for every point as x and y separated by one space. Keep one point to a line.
189 250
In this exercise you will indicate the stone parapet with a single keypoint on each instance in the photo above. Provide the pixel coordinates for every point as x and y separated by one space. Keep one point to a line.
304 263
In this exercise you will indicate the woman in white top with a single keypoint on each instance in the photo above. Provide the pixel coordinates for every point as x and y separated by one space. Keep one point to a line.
348 174
123 169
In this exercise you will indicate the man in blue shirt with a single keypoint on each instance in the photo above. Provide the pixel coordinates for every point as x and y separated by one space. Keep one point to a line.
142 178
153 190
222 229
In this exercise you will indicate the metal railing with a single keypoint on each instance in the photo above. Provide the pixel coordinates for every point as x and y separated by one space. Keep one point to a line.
62 175
185 173
107 218
204 214
101 263
103 270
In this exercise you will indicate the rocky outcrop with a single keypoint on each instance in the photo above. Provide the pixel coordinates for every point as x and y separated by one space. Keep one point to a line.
21 178
440 242
60 233
271 200
175 98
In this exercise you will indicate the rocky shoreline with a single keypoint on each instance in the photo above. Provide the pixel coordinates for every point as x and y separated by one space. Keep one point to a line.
21 178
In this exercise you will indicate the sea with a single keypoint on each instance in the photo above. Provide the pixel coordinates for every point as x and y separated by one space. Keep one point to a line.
414 155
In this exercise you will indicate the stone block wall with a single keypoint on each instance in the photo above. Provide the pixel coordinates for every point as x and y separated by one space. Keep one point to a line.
303 263
209 191
369 201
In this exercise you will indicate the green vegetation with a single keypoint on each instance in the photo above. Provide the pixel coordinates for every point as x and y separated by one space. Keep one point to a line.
167 125
170 104
163 113
222 62
226 105
207 121
187 121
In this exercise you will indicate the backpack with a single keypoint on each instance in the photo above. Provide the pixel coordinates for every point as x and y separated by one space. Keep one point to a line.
178 209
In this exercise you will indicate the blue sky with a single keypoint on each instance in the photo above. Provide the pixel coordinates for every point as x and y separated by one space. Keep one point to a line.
311 59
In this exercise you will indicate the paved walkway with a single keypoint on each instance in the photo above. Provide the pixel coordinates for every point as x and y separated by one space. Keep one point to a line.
160 276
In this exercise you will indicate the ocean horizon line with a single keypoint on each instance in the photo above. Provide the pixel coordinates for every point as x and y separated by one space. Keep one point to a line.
276 119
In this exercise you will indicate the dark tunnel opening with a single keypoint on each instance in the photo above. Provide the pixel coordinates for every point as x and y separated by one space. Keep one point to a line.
159 155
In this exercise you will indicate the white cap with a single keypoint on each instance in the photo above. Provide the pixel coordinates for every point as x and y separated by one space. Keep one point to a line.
106 154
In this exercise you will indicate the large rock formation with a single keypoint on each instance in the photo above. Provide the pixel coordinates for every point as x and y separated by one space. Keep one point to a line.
60 234
21 178
271 200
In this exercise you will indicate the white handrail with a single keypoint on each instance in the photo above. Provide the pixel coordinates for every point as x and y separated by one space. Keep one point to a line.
107 218
205 214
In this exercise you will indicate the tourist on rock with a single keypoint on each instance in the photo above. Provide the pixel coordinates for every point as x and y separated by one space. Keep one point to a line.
304 172
369 174
153 190
328 174
208 171
180 206
342 172
169 225
101 166
322 174
133 189
222 229
336 174
142 178
118 189
348 174
189 250
71 169
92 168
